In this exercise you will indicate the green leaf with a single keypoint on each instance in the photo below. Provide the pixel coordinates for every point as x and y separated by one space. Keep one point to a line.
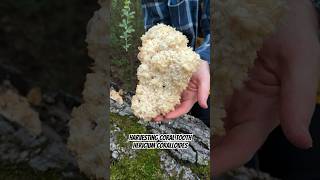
124 22
132 13
125 47
130 30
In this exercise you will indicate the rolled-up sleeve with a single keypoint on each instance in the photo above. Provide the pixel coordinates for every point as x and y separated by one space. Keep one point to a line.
204 49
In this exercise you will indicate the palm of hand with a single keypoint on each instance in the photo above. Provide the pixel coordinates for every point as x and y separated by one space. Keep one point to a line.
197 90
281 89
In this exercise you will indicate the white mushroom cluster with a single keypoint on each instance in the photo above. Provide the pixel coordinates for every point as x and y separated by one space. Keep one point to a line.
88 126
17 109
167 64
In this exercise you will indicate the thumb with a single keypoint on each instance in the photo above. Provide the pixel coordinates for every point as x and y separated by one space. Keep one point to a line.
203 92
298 95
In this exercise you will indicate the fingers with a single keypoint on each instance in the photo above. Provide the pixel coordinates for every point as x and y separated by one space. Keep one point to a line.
203 92
197 90
299 73
298 99
203 81
183 108
239 145
158 118
251 116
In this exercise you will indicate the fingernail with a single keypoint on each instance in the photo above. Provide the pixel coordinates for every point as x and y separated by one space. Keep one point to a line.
309 141
205 106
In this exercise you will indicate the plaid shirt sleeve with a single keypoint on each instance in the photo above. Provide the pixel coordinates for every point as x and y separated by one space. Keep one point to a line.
184 15
204 49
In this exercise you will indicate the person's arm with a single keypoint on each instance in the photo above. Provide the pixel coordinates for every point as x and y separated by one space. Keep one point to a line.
154 12
199 85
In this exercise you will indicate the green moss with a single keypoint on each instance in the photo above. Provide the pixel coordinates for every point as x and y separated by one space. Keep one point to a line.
129 125
203 172
181 174
146 165
122 141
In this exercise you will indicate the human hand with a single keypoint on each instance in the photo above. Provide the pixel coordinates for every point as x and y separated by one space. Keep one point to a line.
281 89
197 90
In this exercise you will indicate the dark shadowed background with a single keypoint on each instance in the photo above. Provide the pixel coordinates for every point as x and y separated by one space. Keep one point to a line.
43 41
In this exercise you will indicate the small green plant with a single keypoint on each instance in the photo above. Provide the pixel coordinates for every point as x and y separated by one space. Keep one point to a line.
126 24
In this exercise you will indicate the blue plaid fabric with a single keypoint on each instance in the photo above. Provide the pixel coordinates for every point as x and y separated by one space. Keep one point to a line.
191 17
